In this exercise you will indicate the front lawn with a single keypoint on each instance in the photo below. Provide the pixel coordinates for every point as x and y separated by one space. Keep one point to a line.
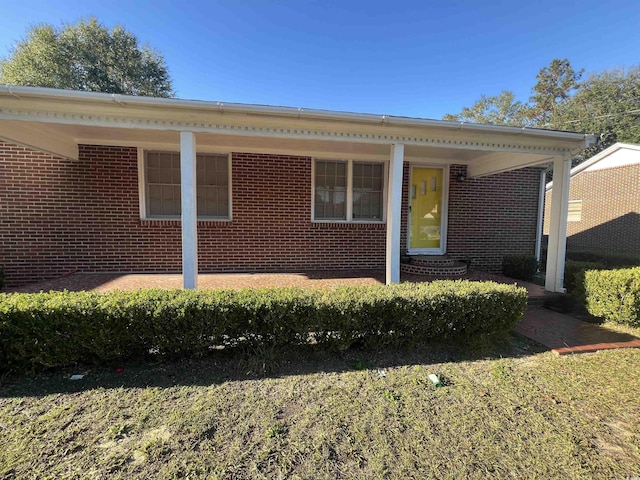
511 412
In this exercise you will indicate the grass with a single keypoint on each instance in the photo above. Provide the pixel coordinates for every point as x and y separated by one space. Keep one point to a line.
507 412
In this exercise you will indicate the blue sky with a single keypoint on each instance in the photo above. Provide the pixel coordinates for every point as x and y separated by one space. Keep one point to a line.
414 58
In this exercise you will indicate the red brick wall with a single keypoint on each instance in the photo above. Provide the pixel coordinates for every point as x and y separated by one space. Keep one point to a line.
488 217
493 216
610 211
59 216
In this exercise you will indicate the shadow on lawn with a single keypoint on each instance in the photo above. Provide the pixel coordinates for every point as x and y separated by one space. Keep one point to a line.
232 366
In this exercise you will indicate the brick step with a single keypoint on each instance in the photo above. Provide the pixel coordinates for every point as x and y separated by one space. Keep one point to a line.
537 301
454 270
554 301
432 260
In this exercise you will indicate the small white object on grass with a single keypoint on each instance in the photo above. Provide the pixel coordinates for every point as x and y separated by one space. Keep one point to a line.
382 373
435 380
76 377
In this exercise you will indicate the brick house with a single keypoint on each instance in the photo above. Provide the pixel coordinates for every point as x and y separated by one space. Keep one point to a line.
604 202
93 182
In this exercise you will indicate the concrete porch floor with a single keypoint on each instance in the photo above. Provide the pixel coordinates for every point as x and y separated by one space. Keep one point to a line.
313 279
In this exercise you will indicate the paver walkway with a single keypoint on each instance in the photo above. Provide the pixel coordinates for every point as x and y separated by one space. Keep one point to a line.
564 334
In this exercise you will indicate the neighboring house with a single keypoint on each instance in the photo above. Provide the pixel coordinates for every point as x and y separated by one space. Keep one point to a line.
93 182
604 202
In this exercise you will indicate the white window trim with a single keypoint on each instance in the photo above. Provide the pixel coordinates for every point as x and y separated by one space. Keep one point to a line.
142 190
349 197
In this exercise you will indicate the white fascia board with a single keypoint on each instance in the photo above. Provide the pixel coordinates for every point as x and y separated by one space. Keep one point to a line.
40 138
265 110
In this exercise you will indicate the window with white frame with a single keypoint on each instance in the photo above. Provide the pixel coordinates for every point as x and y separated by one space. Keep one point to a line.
162 185
348 191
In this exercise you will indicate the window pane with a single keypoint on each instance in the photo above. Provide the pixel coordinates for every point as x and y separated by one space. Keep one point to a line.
367 191
164 175
152 160
162 179
155 192
213 180
175 176
164 160
200 200
222 165
177 201
330 190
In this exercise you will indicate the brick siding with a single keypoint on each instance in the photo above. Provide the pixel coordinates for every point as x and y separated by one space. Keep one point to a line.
493 216
610 211
59 216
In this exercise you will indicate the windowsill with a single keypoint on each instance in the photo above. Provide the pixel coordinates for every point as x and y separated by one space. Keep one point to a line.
346 224
178 220
359 222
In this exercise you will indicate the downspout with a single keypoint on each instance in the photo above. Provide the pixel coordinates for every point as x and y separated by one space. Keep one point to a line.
541 198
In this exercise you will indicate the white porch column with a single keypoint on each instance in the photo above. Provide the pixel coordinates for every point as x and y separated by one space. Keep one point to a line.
189 210
541 194
554 281
394 214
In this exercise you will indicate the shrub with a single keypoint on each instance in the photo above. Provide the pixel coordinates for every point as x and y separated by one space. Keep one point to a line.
614 295
59 328
606 260
522 267
574 276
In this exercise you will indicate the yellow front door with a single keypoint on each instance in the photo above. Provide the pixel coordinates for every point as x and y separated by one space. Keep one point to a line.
426 202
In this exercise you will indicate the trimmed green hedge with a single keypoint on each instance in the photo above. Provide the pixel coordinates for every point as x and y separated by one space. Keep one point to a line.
522 267
606 260
614 295
59 328
574 276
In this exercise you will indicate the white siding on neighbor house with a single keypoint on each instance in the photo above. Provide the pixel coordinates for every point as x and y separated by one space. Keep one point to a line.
627 155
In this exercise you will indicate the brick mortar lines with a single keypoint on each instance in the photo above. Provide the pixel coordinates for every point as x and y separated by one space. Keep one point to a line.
59 216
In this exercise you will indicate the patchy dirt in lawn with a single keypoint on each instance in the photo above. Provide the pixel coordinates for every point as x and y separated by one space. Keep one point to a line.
505 411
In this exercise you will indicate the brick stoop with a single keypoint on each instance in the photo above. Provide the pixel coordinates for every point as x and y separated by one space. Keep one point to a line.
434 265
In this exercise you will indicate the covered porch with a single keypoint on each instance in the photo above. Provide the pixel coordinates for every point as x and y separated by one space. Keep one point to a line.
62 122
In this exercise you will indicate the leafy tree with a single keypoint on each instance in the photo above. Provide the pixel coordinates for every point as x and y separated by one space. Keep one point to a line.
502 109
607 103
555 85
86 56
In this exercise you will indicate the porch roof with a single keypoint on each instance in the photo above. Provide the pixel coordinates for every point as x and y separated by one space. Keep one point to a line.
57 121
